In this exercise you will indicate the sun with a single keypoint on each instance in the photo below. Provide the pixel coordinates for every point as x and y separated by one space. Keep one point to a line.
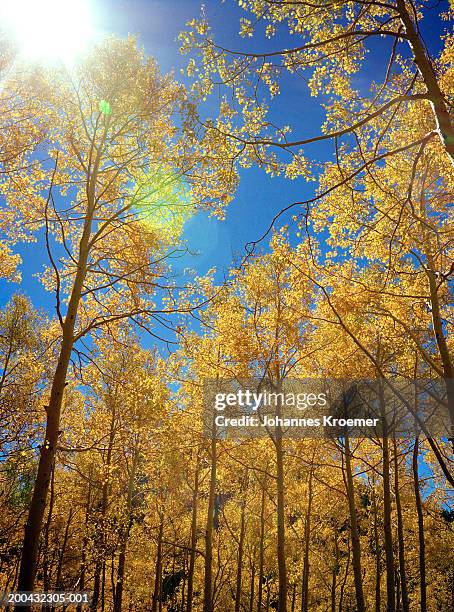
48 31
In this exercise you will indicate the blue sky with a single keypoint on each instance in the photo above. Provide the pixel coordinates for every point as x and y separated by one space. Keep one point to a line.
218 243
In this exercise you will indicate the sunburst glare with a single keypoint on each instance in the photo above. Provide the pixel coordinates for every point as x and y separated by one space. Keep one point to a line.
48 31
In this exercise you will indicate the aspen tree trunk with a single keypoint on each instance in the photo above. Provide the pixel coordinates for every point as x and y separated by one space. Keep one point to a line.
125 537
400 535
184 584
356 546
12 577
281 562
83 562
192 553
293 597
377 556
208 590
282 606
344 582
307 539
103 585
439 107
252 586
208 577
118 592
58 584
239 571
261 546
397 592
387 526
335 570
100 562
421 538
158 568
49 447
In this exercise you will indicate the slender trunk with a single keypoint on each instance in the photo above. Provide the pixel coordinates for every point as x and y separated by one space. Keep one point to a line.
239 571
83 562
118 595
293 597
377 555
118 592
281 561
12 577
356 547
103 585
398 608
183 603
158 568
58 584
49 447
387 529
421 538
344 582
335 569
307 539
192 555
387 513
100 543
439 108
400 535
208 585
252 586
261 546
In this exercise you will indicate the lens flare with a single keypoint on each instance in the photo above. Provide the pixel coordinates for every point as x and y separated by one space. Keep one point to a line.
105 108
163 203
48 30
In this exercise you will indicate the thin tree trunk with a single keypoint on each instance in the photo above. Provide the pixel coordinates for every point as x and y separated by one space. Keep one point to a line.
280 484
344 582
183 603
158 568
208 582
192 554
421 538
307 539
400 535
58 584
261 546
239 572
356 546
100 544
118 595
252 586
335 570
377 555
83 562
387 526
103 585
